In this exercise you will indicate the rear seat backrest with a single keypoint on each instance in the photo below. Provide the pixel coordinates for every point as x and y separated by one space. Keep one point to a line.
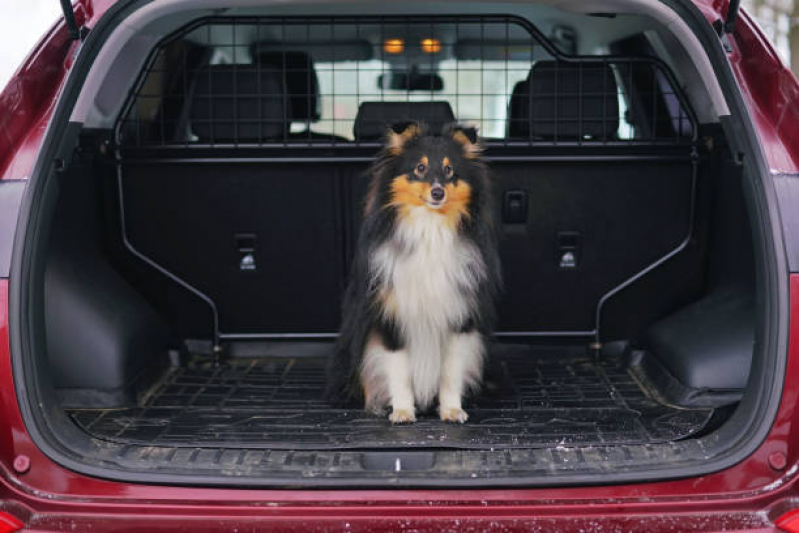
518 124
302 91
565 102
200 220
374 118
239 103
302 85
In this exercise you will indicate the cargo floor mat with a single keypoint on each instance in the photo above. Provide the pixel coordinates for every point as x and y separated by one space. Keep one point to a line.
532 398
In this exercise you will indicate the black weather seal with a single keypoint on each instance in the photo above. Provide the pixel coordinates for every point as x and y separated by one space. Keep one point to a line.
76 32
725 27
732 16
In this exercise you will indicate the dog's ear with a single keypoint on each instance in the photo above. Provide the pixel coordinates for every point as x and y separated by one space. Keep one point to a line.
466 136
399 134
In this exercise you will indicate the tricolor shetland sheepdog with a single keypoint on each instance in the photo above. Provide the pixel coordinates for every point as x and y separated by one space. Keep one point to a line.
420 299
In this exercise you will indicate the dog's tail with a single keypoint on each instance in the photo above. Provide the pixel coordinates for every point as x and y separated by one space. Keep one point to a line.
343 386
343 370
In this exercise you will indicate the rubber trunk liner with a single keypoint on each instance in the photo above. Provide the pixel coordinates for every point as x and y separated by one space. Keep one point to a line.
532 398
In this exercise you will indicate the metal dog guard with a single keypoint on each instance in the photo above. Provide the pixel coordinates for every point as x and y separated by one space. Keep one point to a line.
472 42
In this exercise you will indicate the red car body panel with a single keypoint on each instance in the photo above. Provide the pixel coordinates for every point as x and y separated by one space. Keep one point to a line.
750 495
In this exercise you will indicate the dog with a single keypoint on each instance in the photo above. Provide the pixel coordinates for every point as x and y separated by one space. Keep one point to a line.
419 304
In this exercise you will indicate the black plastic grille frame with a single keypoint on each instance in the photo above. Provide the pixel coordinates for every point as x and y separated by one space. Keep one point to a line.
303 81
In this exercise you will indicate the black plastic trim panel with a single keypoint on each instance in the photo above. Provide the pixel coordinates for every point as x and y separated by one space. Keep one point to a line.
469 469
787 186
10 199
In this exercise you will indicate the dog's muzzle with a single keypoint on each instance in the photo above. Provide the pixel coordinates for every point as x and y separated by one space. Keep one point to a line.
437 195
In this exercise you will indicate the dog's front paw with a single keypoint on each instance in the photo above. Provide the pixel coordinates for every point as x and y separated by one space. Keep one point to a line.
453 414
402 416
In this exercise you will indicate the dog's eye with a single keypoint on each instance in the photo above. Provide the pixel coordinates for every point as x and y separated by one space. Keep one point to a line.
421 168
448 171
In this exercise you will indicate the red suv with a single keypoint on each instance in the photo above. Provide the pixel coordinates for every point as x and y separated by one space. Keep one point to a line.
181 190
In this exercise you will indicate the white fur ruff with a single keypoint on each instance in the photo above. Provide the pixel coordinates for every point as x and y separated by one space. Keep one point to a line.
431 274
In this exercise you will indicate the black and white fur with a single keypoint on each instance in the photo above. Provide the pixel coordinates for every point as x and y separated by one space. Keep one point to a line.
428 339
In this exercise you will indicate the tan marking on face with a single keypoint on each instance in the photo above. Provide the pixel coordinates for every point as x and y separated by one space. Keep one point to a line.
470 149
397 141
456 207
445 163
423 161
406 194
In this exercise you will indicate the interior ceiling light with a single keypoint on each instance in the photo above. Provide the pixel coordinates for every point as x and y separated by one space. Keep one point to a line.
394 46
431 46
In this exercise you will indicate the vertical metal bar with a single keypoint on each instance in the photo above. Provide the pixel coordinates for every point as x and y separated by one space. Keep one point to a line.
333 84
482 74
137 111
432 55
258 83
557 102
382 60
508 89
629 99
236 114
285 100
309 100
457 75
654 104
211 124
408 68
604 97
186 97
310 46
580 97
530 107
679 111
162 107
358 76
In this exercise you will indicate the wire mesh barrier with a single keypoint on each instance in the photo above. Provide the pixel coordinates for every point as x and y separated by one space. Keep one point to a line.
301 81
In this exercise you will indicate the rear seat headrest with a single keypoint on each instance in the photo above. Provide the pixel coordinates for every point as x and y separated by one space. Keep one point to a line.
374 118
239 103
565 101
302 84
519 110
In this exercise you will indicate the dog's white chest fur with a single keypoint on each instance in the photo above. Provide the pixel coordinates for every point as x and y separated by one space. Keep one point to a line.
430 275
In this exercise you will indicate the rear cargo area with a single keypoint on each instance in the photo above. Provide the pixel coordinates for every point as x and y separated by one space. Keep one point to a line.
203 234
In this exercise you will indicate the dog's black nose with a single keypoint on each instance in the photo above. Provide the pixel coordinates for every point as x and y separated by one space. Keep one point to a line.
437 194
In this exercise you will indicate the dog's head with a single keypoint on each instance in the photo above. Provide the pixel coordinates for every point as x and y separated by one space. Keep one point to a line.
437 172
